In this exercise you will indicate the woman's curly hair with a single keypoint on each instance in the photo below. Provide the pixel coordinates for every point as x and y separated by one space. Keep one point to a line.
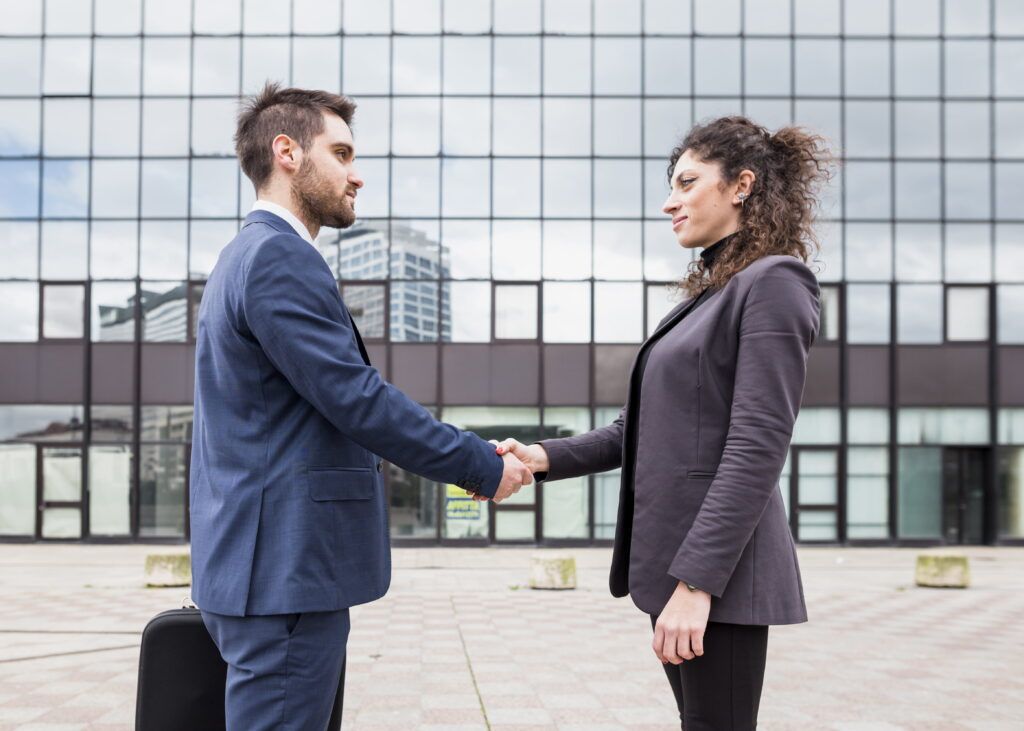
778 217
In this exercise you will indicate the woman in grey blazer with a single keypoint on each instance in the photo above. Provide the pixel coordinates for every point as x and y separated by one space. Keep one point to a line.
702 542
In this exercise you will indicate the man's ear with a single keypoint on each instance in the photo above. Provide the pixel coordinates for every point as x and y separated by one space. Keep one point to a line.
287 152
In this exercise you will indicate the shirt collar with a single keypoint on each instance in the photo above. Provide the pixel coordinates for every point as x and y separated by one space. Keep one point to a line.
282 212
710 254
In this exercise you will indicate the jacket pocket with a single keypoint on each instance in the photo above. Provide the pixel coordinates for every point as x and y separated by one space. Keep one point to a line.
699 475
342 483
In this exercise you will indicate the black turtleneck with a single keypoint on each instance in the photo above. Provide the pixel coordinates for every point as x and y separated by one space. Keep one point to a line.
710 254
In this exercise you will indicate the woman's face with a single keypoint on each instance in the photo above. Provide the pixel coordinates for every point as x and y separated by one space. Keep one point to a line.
703 208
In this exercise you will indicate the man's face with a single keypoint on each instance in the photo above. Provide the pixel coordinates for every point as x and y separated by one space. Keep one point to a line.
326 182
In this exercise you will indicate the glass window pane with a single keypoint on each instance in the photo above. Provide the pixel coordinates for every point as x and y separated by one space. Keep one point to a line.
166 424
567 249
867 490
517 127
366 304
63 311
366 64
212 16
566 312
919 495
565 190
717 66
829 315
19 188
943 426
1011 426
261 16
163 17
62 474
1009 183
867 129
116 127
18 486
415 249
214 188
1009 262
466 187
110 470
36 423
164 250
867 425
918 252
166 65
660 301
364 251
62 523
1011 492
917 129
67 17
164 188
618 312
917 68
767 67
816 425
967 313
113 311
65 188
1010 303
213 124
968 252
868 189
667 16
19 127
67 65
65 253
414 316
466 16
66 127
115 185
165 125
869 251
215 66
566 65
867 18
617 253
268 59
417 65
19 250
967 129
412 512
1009 129
767 17
316 63
867 68
417 16
617 127
665 123
566 504
516 188
24 18
162 490
415 190
417 127
817 66
206 240
515 312
470 306
567 126
567 16
1009 68
967 68
818 482
617 189
617 66
867 313
467 126
466 249
367 16
164 311
917 190
919 313
664 259
22 54
666 66
517 65
467 65
19 317
522 237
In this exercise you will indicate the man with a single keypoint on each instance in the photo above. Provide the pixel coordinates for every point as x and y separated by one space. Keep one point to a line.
289 522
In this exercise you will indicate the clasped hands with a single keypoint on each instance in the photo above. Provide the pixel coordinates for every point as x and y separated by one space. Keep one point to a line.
521 463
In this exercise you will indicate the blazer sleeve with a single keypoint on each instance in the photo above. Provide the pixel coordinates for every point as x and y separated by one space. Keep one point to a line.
778 324
291 305
598 450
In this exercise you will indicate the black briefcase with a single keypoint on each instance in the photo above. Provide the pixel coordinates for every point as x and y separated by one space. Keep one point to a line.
182 677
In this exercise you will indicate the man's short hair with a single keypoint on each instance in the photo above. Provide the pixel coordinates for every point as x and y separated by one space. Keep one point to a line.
297 113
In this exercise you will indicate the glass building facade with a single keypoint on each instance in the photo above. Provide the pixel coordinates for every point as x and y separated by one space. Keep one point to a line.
511 253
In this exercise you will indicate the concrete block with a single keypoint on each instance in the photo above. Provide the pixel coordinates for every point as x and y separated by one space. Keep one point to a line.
943 570
552 571
169 569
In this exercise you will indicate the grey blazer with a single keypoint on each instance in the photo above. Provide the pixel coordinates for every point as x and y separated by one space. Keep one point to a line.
700 499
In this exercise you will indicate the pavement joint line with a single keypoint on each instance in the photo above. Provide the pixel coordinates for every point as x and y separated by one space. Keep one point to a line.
469 663
66 654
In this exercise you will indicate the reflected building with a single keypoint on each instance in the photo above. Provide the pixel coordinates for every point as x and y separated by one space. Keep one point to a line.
511 252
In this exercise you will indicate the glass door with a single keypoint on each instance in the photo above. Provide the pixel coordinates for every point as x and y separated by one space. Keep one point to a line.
60 492
964 474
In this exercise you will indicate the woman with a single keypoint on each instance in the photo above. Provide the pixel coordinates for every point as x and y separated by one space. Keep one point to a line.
702 542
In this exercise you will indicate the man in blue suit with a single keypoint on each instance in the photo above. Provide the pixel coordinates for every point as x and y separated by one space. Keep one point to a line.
289 522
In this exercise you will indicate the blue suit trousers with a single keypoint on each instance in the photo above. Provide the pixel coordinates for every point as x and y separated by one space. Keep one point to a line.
283 669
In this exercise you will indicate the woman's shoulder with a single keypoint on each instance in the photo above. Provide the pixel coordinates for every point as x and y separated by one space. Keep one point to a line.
776 265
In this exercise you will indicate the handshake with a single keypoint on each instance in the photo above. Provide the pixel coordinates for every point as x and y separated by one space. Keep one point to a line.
521 463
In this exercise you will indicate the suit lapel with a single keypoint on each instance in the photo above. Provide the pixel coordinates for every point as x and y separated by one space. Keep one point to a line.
359 338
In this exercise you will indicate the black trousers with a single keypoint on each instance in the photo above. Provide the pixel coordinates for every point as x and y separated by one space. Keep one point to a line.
722 687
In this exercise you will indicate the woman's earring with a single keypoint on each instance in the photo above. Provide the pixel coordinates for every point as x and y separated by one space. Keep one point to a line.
742 197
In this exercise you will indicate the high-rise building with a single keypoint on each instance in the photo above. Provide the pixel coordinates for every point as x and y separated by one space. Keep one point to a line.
511 253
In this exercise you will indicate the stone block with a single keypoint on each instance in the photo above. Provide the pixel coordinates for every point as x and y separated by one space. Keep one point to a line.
169 569
943 570
552 571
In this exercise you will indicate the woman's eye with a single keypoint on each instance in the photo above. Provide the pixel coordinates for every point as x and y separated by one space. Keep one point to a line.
686 181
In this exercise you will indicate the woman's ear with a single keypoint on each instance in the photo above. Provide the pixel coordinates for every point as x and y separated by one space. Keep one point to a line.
744 185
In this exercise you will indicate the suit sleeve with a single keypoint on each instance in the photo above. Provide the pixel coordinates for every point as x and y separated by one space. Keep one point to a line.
292 307
778 324
598 450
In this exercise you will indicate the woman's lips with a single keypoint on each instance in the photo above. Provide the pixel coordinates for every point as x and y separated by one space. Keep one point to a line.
677 222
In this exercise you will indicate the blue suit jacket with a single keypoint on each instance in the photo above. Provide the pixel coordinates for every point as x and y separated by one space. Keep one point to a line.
287 497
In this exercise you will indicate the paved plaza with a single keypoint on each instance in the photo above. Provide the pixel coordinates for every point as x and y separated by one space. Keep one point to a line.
461 644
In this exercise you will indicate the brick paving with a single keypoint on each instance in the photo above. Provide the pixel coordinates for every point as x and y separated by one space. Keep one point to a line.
460 644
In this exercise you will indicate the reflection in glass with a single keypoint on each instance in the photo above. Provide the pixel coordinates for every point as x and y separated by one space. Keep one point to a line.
567 16
867 129
867 68
19 250
517 127
19 127
967 313
868 189
62 523
566 504
163 250
412 512
1009 68
567 249
19 317
113 311
666 66
162 487
63 311
466 186
467 65
967 68
112 423
215 66
417 65
213 124
467 126
165 125
867 492
363 251
617 253
917 68
1010 300
164 311
67 62
66 127
65 188
867 313
766 67
869 251
115 127
166 65
162 17
265 59
466 16
115 188
918 252
466 249
414 312
617 127
768 17
566 312
717 66
967 129
366 304
166 424
711 16
517 65
566 126
867 425
919 313
565 188
366 63
214 188
515 312
618 312
18 486
829 317
968 252
617 66
316 63
522 238
919 493
1009 262
470 307
164 188
667 16
943 426
567 65
664 259
917 190
205 243
65 250
617 186
62 474
415 250
367 16
516 188
38 423
22 54
415 187
110 470
817 66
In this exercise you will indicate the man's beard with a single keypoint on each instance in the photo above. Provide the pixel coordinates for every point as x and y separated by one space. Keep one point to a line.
317 201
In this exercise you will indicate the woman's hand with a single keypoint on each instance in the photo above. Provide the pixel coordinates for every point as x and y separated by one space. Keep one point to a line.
533 456
679 631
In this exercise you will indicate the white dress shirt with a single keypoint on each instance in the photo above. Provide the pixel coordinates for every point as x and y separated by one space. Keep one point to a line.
293 221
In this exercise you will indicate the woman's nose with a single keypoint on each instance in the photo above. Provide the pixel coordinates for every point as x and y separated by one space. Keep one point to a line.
669 205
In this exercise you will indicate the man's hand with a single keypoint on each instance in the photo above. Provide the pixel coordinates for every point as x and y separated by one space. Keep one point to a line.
516 475
679 631
534 456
